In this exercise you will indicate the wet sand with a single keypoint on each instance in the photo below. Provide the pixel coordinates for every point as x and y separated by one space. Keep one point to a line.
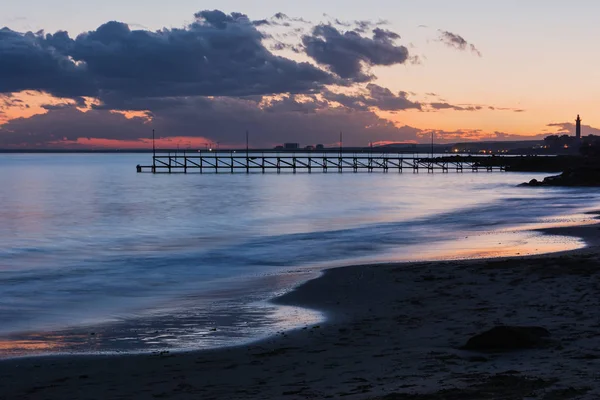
393 331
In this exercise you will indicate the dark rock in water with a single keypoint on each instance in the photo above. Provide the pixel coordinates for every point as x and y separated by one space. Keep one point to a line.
533 182
508 338
587 175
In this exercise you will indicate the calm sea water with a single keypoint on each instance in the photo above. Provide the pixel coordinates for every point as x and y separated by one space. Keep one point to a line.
97 258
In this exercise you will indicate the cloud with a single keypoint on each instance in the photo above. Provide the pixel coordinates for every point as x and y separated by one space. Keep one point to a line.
569 128
457 42
475 51
373 96
261 22
279 46
217 55
214 78
385 35
517 110
283 17
446 106
67 123
473 135
304 119
348 53
307 119
280 19
438 106
30 61
9 101
360 26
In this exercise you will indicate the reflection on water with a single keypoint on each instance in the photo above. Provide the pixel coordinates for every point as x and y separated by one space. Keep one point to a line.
179 331
506 244
148 262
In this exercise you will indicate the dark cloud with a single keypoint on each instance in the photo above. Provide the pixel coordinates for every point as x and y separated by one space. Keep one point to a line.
513 136
457 42
446 106
385 35
517 110
416 59
290 104
569 128
363 26
351 101
360 26
308 119
225 119
384 99
375 96
32 62
278 46
69 124
9 101
283 17
474 50
214 78
347 54
218 54
59 106
261 22
436 106
280 19
339 22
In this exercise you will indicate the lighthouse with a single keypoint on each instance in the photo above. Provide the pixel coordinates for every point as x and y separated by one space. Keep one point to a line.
578 128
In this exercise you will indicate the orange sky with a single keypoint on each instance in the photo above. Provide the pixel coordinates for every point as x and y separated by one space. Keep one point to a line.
536 57
486 121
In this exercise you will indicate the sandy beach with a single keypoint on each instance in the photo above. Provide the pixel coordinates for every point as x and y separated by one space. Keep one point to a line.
393 332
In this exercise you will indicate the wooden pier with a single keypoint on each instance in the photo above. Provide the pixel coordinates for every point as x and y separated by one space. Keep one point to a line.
236 161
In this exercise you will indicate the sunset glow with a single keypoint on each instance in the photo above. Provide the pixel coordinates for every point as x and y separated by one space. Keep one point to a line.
414 72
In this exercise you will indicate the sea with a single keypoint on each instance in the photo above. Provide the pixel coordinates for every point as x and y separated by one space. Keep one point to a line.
98 259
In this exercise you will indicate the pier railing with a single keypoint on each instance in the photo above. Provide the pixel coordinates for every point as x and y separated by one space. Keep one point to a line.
235 161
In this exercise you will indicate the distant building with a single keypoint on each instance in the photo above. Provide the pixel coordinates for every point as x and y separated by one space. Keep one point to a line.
578 128
278 147
291 146
320 147
309 148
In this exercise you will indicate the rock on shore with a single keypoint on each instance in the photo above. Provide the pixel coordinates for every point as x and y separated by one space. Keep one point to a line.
581 176
505 338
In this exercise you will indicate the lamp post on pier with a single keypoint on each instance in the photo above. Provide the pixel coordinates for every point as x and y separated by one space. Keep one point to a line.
153 153
432 134
247 157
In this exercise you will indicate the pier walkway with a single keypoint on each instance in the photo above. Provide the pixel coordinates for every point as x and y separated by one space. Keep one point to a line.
236 161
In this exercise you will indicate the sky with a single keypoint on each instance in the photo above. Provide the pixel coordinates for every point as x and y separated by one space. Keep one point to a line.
88 74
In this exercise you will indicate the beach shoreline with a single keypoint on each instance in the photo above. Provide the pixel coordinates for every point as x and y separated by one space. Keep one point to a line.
390 328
